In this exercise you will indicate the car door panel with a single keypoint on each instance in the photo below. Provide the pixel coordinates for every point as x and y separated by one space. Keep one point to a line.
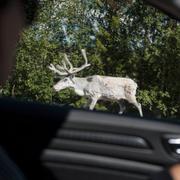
110 143
60 143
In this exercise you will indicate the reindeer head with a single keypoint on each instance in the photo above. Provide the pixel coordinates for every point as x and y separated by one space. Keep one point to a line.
67 69
66 82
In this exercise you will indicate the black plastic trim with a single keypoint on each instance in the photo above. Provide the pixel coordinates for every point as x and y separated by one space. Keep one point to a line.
99 161
106 138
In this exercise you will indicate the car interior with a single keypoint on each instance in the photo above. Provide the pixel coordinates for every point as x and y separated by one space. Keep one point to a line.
58 142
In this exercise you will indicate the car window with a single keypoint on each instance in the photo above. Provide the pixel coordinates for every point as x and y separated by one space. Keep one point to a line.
133 47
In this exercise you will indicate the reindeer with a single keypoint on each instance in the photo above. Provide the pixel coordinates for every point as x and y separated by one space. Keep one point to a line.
96 87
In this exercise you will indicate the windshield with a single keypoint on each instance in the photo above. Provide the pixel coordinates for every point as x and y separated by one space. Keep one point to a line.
125 43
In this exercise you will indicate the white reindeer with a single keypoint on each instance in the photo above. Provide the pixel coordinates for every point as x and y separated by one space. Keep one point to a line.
96 87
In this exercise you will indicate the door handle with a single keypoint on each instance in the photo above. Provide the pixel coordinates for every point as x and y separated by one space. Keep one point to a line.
175 144
172 144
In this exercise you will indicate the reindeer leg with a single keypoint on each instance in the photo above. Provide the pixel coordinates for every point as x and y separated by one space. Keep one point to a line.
138 105
140 110
93 103
121 106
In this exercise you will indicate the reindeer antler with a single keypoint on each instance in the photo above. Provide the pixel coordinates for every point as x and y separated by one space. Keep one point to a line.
63 70
55 70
